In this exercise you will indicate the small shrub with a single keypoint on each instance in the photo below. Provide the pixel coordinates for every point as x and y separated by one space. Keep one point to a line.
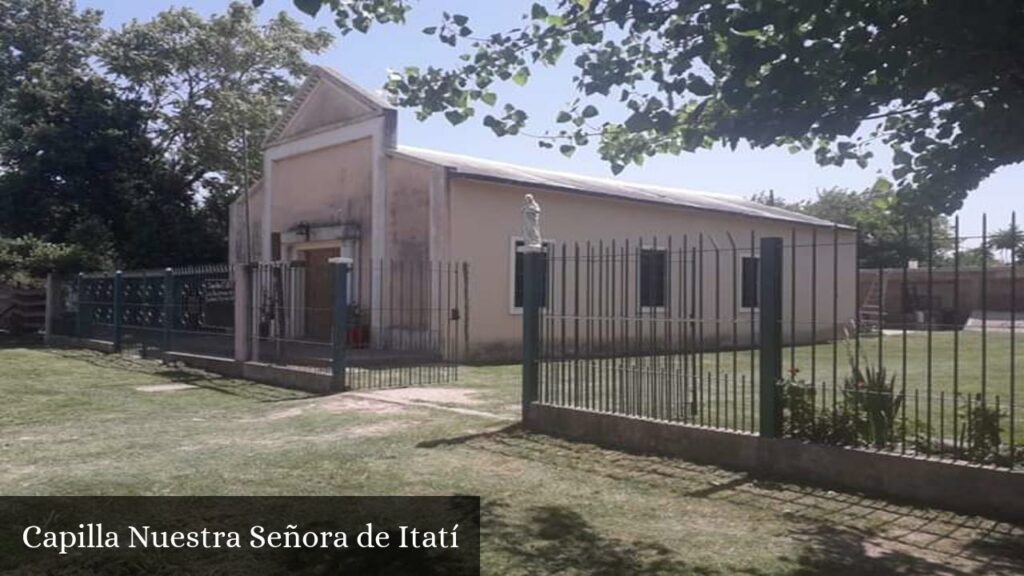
872 396
25 261
803 419
982 432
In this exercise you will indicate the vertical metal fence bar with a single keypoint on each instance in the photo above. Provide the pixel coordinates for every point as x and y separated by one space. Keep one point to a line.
669 378
339 332
718 327
814 306
792 300
626 361
931 314
602 321
984 309
591 372
956 335
903 337
576 397
118 310
835 312
562 350
684 328
699 278
81 305
753 341
1013 340
168 308
857 300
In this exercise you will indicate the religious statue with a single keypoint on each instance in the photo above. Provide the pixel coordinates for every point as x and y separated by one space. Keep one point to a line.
531 223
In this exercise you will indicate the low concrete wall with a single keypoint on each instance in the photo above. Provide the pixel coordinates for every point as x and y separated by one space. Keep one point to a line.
954 486
284 377
314 382
70 342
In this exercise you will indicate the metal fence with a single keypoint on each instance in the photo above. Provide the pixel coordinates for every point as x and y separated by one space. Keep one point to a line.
382 324
782 336
188 309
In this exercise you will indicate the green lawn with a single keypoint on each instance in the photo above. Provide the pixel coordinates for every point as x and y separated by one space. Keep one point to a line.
961 367
82 423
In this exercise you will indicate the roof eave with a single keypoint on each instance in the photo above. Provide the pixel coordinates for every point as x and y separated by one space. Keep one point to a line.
454 173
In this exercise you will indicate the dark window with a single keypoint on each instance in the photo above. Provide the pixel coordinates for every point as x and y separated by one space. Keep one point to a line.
749 298
517 294
653 277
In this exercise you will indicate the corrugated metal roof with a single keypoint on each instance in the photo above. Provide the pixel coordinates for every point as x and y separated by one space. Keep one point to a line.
500 171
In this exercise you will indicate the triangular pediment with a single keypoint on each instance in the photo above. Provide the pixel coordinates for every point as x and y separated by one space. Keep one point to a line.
326 99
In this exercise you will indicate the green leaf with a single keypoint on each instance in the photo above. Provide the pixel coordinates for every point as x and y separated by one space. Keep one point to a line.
699 86
456 117
567 150
430 30
563 117
489 98
538 12
589 112
521 76
311 7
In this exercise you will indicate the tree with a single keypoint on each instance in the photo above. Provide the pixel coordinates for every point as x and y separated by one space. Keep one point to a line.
1010 241
939 82
41 40
890 235
212 88
24 262
79 169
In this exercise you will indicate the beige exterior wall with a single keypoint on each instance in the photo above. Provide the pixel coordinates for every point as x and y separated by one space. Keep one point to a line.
238 235
324 186
485 217
409 210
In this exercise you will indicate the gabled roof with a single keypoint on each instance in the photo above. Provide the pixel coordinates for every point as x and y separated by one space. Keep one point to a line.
478 168
323 75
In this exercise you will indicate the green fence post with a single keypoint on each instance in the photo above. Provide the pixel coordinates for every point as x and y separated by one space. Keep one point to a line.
118 305
339 339
79 306
168 324
533 293
770 301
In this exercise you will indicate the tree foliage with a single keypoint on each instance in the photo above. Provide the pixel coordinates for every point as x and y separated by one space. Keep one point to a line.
207 83
212 89
891 236
79 169
25 261
938 82
128 145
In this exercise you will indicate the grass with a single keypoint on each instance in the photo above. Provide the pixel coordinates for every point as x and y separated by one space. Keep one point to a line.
83 423
957 368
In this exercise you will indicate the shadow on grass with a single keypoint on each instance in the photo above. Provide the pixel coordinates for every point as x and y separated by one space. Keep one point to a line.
556 540
842 533
838 551
179 374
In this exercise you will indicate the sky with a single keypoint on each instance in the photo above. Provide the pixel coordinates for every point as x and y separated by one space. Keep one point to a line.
366 59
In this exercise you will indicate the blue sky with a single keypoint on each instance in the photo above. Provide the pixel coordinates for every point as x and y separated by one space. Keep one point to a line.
366 59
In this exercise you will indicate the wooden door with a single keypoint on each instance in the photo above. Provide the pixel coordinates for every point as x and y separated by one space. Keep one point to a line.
319 300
